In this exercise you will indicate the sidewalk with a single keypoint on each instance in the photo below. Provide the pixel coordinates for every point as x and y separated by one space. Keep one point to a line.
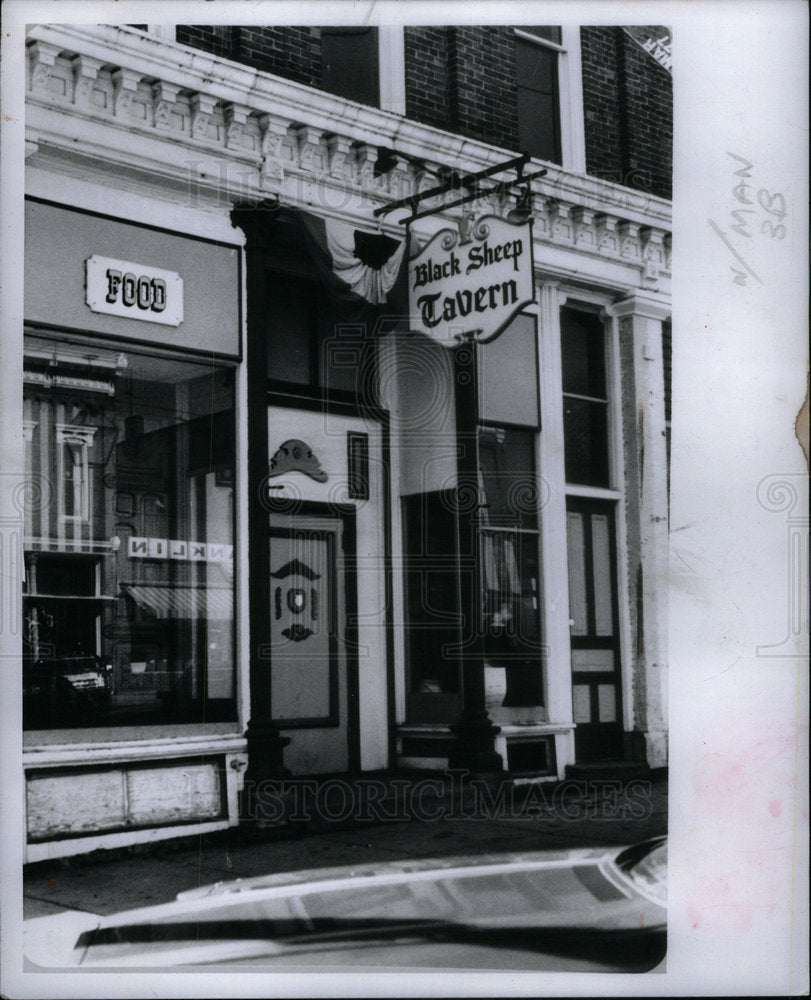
418 818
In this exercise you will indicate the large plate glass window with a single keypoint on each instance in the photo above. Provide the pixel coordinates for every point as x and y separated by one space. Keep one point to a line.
508 542
128 600
507 537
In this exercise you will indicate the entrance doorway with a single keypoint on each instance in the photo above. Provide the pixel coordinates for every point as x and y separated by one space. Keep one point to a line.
596 689
313 661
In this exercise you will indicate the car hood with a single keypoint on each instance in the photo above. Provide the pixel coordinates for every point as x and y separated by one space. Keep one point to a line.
528 910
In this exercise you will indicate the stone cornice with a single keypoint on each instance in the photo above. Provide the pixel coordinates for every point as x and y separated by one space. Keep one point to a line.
648 306
117 96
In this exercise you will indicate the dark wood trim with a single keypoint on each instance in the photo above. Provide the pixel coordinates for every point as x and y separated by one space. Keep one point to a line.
357 463
351 637
260 722
388 590
236 245
586 507
290 396
474 747
154 348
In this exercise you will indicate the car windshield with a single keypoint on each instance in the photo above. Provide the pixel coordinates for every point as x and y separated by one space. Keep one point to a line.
645 865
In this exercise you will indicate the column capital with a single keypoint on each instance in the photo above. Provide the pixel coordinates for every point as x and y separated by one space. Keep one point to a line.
641 304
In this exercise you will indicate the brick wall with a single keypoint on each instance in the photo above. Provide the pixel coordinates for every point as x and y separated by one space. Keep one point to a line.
463 79
291 52
215 39
426 75
482 84
628 108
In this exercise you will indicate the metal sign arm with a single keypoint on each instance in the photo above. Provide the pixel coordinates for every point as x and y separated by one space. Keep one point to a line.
467 181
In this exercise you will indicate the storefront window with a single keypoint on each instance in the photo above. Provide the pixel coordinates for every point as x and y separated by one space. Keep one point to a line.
129 561
509 569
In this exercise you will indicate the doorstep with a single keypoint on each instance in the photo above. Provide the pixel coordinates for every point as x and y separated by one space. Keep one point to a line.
607 770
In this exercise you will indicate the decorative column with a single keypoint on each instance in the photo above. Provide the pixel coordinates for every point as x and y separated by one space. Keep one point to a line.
474 731
554 547
265 742
640 320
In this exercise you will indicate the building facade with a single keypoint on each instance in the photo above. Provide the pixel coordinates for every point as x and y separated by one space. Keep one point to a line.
271 529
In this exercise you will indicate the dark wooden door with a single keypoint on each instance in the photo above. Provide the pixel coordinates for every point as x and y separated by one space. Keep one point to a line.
596 675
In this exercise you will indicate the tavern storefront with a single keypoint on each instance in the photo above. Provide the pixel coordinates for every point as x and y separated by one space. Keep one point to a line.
311 491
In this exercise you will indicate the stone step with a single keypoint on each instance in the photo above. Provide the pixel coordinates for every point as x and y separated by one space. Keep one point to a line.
607 770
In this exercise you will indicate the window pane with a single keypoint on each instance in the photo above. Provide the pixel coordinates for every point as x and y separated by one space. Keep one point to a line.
585 421
431 588
345 359
508 375
577 575
508 481
308 345
550 32
538 111
128 613
510 612
510 587
290 319
585 428
349 64
603 609
583 353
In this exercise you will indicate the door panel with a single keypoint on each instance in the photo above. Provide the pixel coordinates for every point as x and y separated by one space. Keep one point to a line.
596 691
308 641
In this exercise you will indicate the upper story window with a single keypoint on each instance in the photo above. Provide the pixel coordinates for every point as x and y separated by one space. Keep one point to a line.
537 51
357 62
350 65
550 94
585 398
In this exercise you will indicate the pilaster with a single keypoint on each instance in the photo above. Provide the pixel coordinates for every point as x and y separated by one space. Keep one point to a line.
555 595
640 320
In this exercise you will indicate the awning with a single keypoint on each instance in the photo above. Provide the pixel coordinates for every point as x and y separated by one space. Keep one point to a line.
214 603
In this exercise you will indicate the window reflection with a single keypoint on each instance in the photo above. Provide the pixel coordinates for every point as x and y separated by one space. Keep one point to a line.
128 599
509 539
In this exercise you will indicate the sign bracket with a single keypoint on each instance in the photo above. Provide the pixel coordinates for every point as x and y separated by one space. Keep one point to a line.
468 181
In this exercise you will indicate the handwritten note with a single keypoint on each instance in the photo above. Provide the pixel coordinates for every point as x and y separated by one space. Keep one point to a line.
758 214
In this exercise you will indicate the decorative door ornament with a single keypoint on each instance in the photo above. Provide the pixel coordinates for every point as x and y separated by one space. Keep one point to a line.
296 456
299 603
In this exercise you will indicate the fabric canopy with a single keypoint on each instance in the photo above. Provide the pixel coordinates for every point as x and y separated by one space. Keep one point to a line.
369 267
368 263
214 603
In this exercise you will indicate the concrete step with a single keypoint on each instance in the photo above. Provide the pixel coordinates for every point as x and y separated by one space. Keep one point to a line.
607 770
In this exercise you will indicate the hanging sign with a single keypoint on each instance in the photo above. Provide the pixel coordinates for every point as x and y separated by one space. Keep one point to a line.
471 285
121 288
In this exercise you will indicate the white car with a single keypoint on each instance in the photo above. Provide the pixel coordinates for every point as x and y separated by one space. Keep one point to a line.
579 910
